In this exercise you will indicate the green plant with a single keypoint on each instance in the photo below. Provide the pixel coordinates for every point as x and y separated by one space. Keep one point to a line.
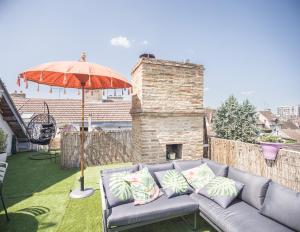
270 138
236 121
274 139
3 138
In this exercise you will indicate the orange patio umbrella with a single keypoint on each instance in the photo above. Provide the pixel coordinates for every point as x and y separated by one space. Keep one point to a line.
80 75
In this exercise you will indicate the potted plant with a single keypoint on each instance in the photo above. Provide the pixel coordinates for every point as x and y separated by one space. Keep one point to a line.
3 138
271 144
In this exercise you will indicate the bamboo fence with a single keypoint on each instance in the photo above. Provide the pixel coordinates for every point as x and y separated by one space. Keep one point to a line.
101 147
248 157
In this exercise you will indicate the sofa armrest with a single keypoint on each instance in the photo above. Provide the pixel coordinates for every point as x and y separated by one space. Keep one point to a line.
104 205
103 196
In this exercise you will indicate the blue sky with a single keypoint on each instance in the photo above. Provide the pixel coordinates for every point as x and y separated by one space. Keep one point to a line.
249 48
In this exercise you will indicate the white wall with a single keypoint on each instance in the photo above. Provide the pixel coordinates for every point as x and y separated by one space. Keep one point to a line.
5 127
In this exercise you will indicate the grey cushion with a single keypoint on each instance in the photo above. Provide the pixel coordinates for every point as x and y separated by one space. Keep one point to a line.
105 175
238 217
218 169
152 168
182 165
221 190
163 207
173 183
282 205
255 188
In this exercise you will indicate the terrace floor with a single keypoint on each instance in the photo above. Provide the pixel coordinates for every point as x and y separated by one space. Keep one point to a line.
36 195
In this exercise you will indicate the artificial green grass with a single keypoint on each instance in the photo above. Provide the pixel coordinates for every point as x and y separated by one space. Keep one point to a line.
37 197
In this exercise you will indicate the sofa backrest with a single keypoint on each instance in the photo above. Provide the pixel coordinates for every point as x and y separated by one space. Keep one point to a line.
182 165
218 169
282 205
152 168
255 187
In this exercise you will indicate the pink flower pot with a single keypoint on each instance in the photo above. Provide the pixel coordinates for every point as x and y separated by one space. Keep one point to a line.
270 150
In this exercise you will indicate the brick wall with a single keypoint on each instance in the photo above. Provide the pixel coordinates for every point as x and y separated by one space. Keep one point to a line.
167 108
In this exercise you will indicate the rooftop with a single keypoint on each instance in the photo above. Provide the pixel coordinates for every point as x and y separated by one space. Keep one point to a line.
69 110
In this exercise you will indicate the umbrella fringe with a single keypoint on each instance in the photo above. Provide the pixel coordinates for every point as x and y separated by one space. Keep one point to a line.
19 81
41 77
65 79
26 83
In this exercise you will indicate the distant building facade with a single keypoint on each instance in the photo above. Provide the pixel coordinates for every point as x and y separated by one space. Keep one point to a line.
288 112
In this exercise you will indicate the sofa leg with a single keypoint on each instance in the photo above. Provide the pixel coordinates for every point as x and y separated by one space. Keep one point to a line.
195 221
193 226
4 207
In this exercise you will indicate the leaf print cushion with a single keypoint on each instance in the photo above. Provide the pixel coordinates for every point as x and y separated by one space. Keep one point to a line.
117 189
222 190
143 187
199 176
173 183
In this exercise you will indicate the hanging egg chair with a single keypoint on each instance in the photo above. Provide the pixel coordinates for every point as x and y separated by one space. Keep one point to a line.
42 128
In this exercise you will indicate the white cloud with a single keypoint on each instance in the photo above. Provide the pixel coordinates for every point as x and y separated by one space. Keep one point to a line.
120 41
145 42
247 93
206 89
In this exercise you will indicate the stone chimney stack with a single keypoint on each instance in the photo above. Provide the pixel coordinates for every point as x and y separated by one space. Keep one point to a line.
167 110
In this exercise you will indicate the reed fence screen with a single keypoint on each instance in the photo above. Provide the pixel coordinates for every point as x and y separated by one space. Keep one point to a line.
248 157
101 147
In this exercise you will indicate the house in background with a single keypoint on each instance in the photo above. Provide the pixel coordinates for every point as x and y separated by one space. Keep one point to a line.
11 122
267 121
68 111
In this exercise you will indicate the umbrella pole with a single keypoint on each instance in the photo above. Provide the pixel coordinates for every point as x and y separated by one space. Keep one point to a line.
82 142
82 192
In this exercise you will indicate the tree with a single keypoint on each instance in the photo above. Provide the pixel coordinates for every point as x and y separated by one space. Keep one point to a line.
236 121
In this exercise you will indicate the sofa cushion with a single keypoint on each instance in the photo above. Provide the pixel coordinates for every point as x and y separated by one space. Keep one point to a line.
157 168
221 190
110 179
182 165
282 205
173 183
238 217
143 187
255 187
163 207
218 169
199 176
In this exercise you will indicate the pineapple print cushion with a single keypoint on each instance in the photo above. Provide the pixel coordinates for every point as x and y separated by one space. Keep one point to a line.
199 176
222 190
173 183
143 187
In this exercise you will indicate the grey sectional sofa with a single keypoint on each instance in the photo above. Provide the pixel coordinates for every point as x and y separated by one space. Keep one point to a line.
260 196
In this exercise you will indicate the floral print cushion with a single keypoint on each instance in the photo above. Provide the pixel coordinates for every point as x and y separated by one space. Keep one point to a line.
199 176
173 183
143 187
222 190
